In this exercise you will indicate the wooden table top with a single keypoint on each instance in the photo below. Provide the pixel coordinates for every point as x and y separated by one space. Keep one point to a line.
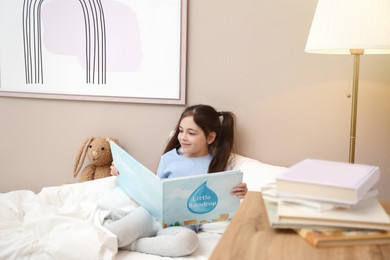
249 236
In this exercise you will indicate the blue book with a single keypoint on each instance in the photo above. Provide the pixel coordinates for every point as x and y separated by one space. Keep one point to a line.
178 201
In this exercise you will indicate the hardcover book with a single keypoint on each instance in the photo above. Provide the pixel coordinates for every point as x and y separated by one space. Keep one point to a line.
369 214
178 201
325 237
298 217
270 193
271 208
328 181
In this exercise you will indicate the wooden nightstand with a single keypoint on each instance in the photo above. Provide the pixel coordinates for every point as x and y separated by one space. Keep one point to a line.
248 236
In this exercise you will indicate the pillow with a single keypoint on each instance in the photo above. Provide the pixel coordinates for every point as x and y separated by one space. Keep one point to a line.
256 174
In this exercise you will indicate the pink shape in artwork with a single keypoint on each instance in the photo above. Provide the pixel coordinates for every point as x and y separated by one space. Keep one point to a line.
64 33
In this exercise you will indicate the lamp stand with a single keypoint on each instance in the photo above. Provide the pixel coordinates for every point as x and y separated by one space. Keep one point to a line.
356 54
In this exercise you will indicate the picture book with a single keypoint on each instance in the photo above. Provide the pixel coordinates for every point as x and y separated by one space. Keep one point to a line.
178 201
328 181
325 237
369 214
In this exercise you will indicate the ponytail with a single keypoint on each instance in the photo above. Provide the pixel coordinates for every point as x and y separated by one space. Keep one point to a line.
223 145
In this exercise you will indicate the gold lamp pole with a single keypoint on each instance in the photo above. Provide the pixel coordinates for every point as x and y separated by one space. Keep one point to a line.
352 140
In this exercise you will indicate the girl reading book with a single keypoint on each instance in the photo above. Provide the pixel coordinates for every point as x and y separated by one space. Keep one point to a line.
202 142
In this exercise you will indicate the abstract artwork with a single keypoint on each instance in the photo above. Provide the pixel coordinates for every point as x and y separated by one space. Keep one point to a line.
105 50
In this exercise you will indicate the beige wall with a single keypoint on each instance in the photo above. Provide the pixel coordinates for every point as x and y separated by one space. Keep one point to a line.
245 56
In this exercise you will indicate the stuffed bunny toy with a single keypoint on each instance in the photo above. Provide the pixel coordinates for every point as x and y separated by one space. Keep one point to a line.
98 151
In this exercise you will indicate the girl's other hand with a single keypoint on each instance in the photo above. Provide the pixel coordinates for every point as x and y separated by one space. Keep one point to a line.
240 190
114 171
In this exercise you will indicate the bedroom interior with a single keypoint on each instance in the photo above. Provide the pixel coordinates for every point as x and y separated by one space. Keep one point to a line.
248 58
290 105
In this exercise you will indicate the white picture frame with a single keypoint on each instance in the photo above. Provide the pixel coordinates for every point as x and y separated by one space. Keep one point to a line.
96 50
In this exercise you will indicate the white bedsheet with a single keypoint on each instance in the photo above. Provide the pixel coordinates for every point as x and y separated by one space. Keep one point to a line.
64 222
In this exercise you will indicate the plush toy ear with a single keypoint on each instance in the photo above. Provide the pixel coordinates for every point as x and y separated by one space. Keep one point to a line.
81 156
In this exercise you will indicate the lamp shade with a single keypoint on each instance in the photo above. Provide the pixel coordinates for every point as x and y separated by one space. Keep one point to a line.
341 25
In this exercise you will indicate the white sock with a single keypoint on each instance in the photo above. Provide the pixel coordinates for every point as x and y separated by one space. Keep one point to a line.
138 223
171 241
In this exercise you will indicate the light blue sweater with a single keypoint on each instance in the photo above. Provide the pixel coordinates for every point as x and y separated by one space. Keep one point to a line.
173 165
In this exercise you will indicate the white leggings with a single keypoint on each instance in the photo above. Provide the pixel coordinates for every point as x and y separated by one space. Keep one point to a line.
139 231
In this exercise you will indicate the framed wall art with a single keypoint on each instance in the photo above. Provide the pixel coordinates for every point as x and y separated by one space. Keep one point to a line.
101 50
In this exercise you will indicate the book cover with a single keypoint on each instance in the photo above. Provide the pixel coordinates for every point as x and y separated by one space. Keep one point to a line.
178 201
325 237
369 214
328 180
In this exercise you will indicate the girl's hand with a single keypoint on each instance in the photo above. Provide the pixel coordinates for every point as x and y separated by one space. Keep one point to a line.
240 190
114 171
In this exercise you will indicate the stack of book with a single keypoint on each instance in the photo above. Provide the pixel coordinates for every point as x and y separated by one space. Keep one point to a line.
320 199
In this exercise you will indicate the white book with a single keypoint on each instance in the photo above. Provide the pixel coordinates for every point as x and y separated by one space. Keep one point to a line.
368 214
323 205
330 181
269 192
271 208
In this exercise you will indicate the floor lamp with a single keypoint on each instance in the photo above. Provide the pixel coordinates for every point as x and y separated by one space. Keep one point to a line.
353 27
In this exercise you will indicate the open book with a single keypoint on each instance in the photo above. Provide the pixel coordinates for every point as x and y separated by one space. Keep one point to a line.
178 201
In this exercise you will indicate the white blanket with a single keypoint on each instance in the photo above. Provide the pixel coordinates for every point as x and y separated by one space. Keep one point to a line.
64 222
60 222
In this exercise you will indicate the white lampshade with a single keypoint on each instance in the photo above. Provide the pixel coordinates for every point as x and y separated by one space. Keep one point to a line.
341 25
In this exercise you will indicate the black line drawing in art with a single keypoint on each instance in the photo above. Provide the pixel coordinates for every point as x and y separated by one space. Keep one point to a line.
95 41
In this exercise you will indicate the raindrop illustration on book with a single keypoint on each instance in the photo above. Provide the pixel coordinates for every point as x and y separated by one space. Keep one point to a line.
202 200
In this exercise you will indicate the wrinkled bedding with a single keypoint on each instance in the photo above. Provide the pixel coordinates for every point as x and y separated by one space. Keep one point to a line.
60 222
64 222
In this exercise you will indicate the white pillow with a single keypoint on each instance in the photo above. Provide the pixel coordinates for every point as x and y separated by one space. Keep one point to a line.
256 174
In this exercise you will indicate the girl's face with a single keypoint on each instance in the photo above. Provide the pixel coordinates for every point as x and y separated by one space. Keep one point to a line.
192 138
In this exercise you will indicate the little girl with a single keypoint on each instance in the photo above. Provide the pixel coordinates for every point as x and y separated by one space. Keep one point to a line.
202 142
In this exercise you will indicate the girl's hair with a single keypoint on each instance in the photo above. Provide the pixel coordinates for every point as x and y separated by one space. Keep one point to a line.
209 120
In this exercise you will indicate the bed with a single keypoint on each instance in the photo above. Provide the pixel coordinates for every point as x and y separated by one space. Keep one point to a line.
64 222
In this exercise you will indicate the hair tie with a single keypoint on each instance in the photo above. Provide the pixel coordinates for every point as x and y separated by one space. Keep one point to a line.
220 117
